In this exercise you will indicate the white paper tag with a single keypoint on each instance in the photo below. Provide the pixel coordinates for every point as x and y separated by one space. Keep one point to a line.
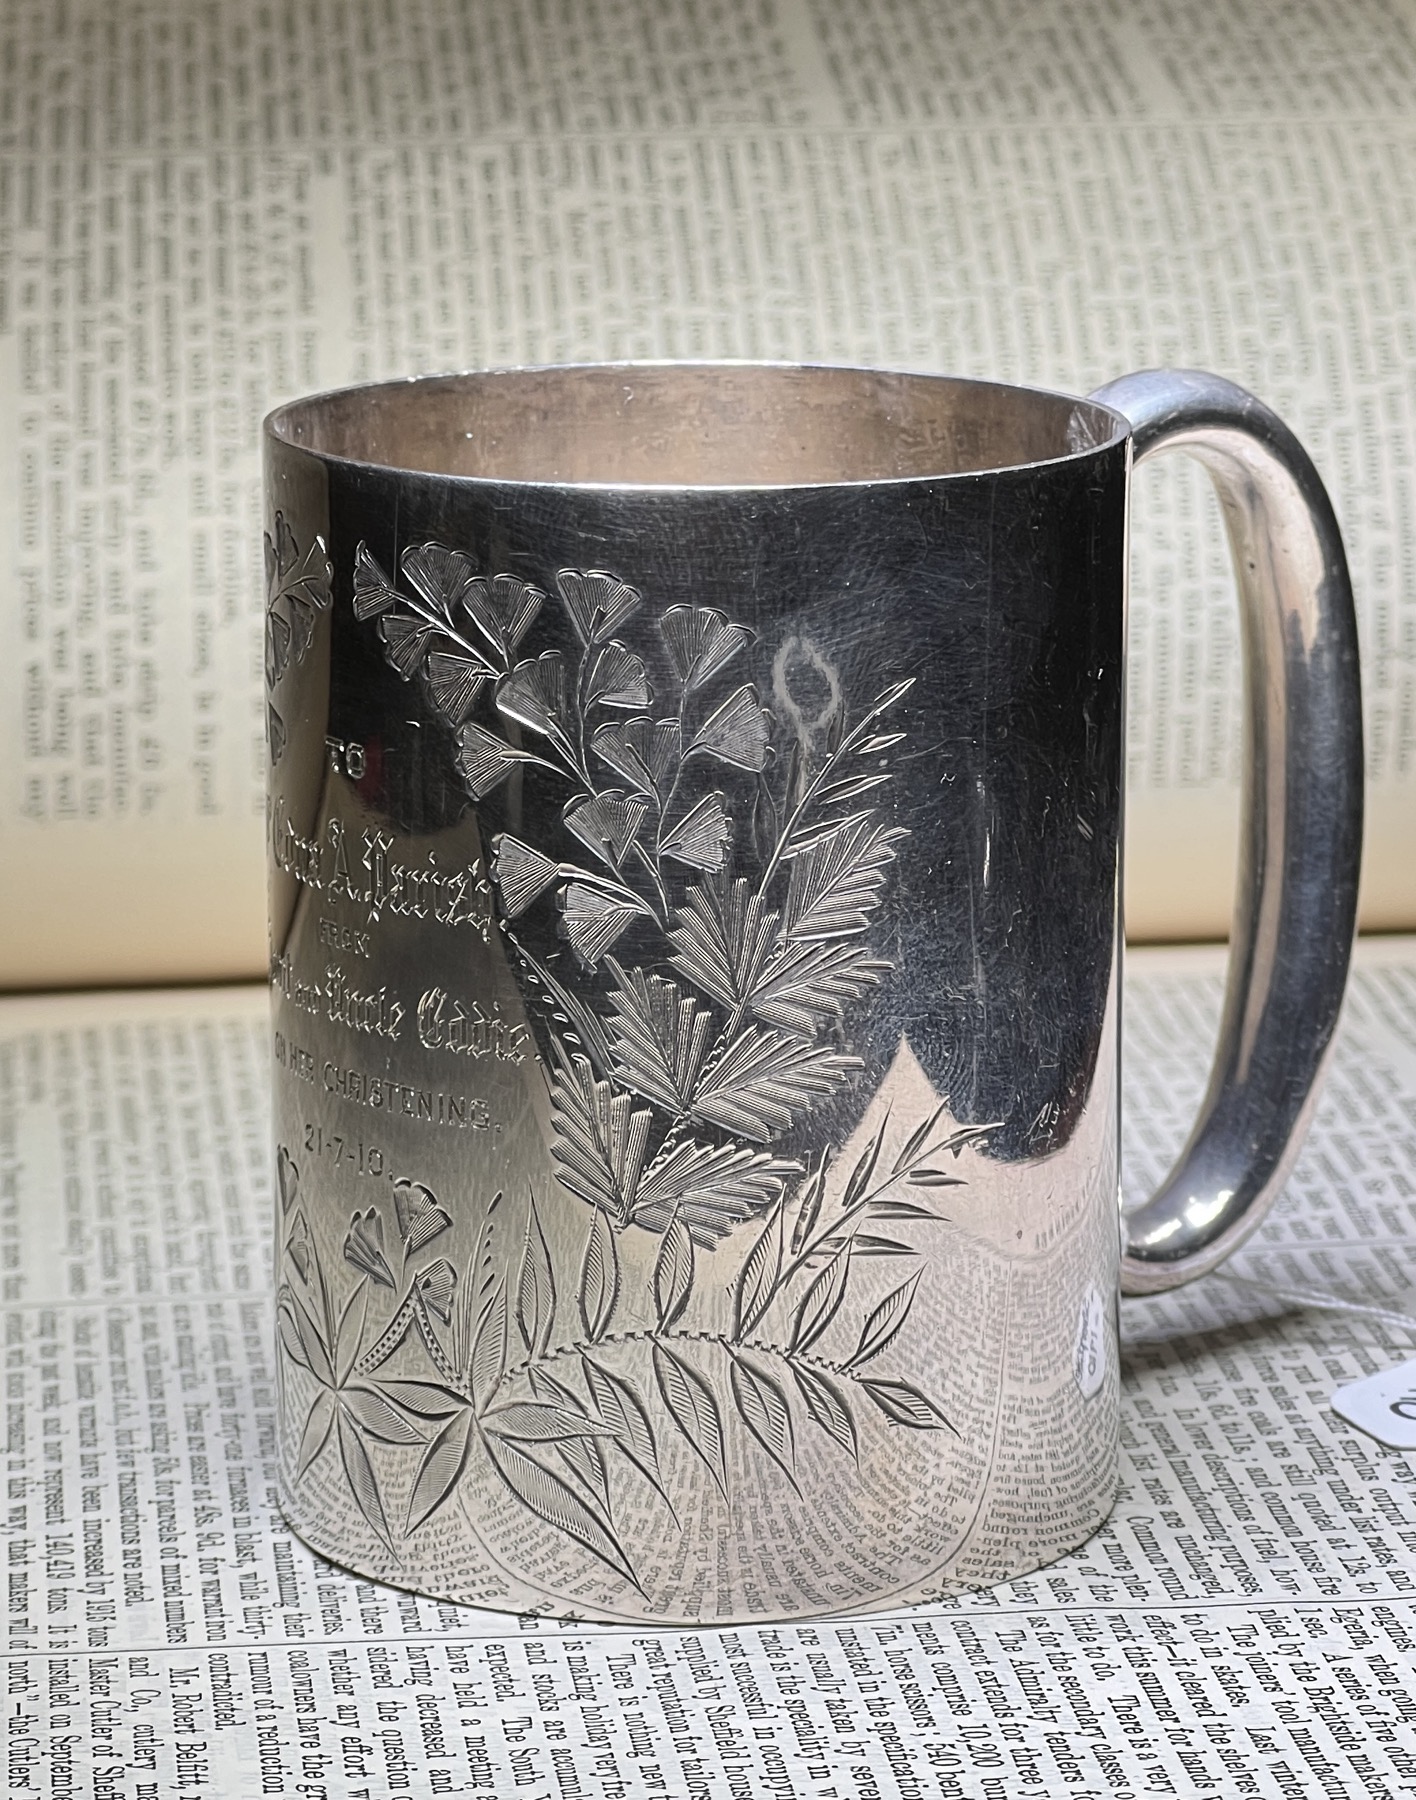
1383 1405
1089 1358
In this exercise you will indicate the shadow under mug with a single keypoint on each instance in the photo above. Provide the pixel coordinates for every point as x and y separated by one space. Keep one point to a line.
694 819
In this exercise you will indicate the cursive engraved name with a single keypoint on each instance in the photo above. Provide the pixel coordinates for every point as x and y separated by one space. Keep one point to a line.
444 1023
362 871
378 1014
428 1105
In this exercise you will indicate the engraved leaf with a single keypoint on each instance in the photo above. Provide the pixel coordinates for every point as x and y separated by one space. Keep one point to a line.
905 1405
595 921
737 732
316 1433
835 792
277 647
420 1218
298 1246
503 609
757 1279
407 637
701 837
918 1138
455 679
584 1463
701 642
287 1175
440 1469
598 603
377 1419
599 1279
709 1187
836 881
883 1325
535 1289
860 1176
722 938
424 1399
522 873
644 751
827 1406
287 1324
439 576
673 1274
359 1472
616 678
364 1247
763 1407
534 695
558 1505
865 1244
659 1037
435 1284
275 734
486 760
809 1204
618 1403
350 1333
821 1301
489 1348
766 1080
374 593
903 1209
316 1357
935 1178
601 1137
811 983
542 1422
607 824
693 1409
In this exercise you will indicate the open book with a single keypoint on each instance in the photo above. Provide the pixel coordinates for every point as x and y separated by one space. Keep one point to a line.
204 211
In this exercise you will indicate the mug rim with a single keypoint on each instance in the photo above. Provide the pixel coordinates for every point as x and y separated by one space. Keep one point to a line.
1105 427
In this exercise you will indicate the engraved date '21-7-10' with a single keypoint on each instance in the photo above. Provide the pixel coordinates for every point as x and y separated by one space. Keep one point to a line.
717 896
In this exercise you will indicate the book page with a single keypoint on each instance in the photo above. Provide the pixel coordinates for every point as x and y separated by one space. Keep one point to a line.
205 212
1242 1624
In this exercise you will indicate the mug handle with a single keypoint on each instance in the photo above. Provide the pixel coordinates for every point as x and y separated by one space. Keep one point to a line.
1301 836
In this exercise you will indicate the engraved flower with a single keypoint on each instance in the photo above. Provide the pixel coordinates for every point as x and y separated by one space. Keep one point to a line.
436 1285
420 1217
364 1247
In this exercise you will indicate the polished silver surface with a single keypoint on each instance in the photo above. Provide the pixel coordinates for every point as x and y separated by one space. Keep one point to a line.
1295 908
694 811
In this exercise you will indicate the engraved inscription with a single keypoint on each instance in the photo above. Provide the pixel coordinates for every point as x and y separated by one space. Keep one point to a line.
363 872
445 1023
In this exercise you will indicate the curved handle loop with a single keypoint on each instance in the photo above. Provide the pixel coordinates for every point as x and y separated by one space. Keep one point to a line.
1296 906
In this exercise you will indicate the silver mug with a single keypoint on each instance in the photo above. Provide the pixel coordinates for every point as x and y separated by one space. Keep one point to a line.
695 802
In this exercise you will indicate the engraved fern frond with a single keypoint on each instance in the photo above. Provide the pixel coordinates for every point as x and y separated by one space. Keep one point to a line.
838 879
766 1080
600 1137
